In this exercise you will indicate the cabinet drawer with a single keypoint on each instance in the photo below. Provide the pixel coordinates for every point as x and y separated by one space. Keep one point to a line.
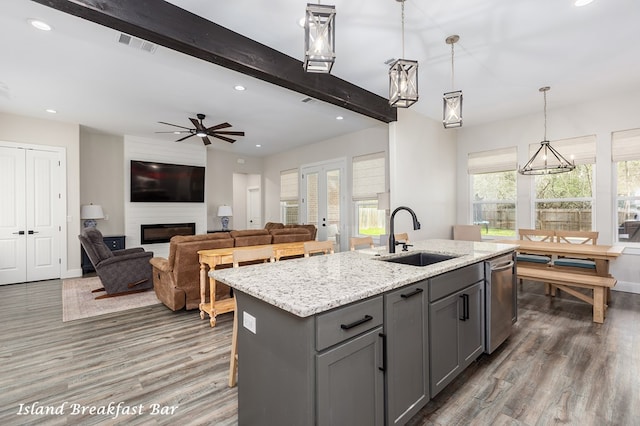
346 322
114 243
450 282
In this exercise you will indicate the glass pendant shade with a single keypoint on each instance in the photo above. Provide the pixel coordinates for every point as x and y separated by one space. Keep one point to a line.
452 109
319 38
403 83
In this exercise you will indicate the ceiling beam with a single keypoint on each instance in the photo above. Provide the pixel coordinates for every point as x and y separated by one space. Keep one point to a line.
167 25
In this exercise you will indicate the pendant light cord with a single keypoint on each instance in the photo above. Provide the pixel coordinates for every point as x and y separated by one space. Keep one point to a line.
545 114
452 74
402 29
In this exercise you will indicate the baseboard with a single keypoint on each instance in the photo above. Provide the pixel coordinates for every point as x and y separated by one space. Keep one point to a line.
627 287
71 273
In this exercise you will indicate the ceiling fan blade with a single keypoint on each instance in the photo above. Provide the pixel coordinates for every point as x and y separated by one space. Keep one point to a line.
197 124
224 138
224 132
181 139
164 122
218 126
206 140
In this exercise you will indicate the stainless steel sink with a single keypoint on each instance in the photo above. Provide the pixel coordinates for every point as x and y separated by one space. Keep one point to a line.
420 259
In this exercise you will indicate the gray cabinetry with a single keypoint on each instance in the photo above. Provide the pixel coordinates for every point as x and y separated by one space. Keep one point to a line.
406 330
456 323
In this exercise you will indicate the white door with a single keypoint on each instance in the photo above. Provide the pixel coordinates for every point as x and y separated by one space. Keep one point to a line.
30 229
323 200
254 210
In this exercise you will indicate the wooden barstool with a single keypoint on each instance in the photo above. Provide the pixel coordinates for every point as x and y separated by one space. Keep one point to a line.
242 256
313 247
360 241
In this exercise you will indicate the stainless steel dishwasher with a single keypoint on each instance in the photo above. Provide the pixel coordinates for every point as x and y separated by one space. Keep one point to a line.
501 300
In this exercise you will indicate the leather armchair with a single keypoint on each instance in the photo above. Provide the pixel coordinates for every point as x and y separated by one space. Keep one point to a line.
121 271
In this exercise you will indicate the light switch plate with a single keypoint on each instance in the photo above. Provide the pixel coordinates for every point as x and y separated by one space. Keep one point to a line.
249 322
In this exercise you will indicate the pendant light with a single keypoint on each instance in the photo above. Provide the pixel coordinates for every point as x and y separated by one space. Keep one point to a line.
546 160
319 38
452 101
403 78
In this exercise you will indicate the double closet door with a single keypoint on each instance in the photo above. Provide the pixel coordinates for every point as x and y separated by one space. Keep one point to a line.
30 222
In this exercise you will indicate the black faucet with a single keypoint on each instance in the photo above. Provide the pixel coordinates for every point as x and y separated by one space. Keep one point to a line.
392 237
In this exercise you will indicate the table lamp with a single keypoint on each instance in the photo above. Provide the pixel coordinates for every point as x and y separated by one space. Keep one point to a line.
90 213
223 213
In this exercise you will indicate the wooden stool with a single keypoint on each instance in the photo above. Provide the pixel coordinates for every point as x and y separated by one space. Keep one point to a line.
265 254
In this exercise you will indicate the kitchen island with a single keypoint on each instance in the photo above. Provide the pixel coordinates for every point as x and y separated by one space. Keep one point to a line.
346 338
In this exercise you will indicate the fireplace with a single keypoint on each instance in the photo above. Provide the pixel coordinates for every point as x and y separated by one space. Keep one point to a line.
162 232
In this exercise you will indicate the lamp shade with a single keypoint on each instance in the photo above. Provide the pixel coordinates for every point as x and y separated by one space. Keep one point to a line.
224 211
91 211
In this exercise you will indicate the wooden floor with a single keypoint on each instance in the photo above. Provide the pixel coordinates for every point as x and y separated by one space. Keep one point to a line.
557 368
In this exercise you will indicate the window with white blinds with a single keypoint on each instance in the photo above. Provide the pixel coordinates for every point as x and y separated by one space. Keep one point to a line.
289 185
625 153
368 176
495 160
580 150
625 145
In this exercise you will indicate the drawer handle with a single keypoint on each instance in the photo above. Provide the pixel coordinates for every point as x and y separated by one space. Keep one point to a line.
413 293
356 323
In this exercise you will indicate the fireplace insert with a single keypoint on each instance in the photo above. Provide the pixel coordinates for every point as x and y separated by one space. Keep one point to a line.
162 232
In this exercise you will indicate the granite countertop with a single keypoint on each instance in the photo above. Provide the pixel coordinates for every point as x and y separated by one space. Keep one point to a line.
308 286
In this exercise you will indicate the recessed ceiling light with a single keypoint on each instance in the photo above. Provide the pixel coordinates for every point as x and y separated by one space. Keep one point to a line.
580 3
339 117
41 25
240 88
51 111
176 132
258 145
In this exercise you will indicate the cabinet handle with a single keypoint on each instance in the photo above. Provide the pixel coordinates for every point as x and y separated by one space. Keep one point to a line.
384 352
356 323
465 307
413 293
19 233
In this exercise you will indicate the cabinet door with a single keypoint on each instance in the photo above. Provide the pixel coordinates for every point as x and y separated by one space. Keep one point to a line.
472 328
350 382
443 341
407 372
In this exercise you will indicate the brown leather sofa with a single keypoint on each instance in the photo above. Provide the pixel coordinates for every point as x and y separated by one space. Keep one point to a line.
176 280
271 226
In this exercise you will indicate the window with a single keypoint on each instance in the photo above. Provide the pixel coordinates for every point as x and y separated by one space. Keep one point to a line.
493 190
565 201
625 150
289 196
368 180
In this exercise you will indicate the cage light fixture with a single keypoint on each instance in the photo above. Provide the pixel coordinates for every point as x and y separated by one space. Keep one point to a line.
452 101
319 38
546 160
403 78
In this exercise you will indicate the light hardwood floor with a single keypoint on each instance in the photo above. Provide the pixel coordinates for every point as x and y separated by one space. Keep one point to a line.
557 368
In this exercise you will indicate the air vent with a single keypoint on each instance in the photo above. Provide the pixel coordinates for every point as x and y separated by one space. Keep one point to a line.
389 61
307 100
137 43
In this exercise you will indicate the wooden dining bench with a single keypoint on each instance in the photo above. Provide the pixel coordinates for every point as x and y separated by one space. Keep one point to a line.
563 280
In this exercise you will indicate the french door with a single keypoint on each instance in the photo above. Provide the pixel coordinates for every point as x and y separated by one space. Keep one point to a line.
30 226
324 201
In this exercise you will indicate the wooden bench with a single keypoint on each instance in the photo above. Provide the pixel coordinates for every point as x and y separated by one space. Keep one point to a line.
563 280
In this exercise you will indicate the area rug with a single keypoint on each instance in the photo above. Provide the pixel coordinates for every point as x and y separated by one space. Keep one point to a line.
78 301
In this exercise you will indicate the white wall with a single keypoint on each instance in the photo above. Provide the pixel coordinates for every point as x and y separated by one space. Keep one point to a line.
136 214
599 118
28 130
422 157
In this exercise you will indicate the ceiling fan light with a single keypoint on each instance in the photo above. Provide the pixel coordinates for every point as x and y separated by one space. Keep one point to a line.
201 133
319 38
452 109
403 83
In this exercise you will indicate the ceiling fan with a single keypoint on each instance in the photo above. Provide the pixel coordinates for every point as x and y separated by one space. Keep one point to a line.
204 132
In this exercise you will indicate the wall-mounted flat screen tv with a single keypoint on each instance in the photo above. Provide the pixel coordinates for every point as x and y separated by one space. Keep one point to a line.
166 183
